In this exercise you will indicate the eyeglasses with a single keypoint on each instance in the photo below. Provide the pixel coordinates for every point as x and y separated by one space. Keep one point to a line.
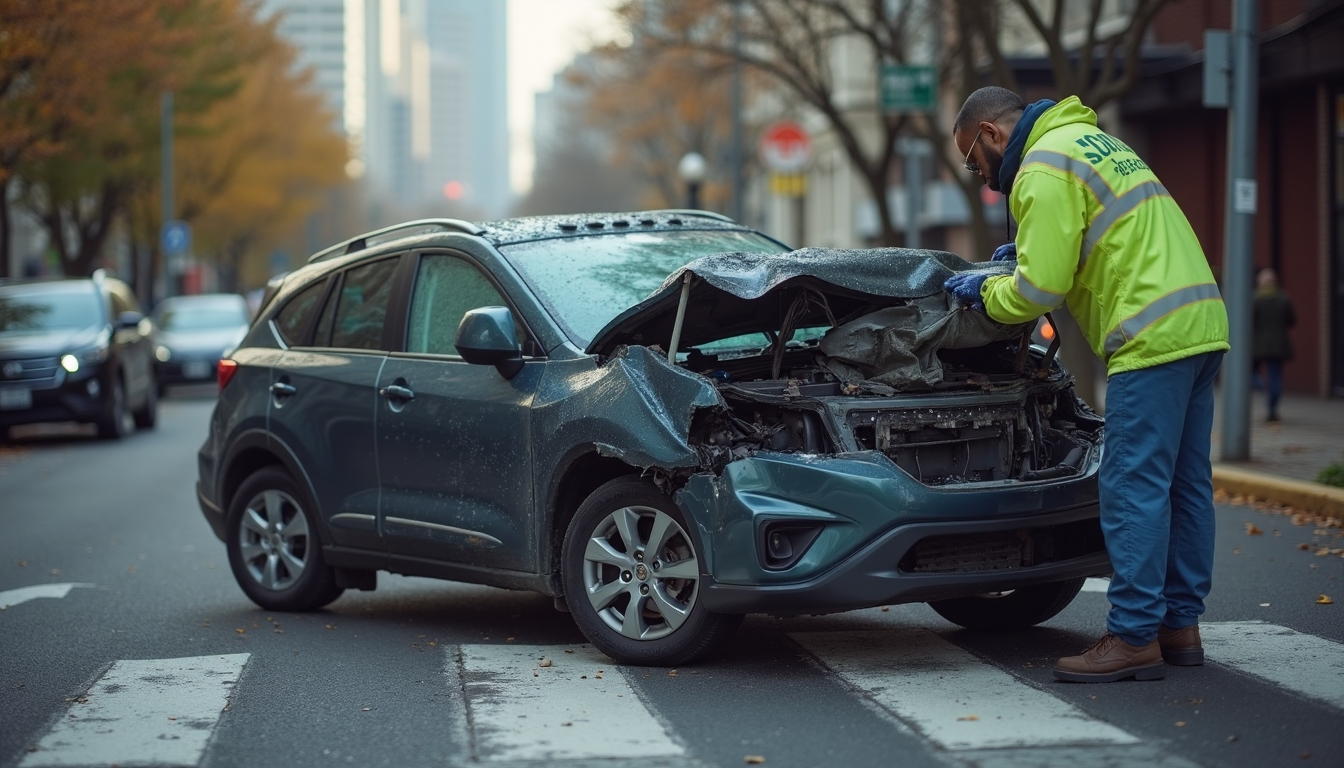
971 165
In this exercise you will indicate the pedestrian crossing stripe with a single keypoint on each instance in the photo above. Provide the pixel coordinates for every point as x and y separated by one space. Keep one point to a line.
1304 664
143 712
550 703
951 697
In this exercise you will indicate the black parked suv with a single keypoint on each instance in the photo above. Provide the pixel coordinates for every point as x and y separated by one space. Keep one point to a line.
75 350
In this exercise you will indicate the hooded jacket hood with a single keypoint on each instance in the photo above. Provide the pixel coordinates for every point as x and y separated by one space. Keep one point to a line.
1038 119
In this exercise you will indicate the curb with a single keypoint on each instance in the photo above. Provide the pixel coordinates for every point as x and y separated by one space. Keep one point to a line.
1307 497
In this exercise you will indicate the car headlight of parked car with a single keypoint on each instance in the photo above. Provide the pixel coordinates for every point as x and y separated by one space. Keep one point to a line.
83 358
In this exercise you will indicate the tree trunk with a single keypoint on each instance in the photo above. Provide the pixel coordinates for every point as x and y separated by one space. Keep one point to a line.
4 229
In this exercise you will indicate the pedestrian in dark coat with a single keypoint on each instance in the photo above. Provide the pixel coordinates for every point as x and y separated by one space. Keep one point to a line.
1270 345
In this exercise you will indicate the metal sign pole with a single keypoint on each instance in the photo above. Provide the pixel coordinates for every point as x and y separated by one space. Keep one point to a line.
1238 260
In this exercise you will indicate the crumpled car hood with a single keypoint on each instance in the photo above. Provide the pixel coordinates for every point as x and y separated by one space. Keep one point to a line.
737 293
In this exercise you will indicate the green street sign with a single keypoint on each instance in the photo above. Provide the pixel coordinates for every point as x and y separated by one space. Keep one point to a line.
909 88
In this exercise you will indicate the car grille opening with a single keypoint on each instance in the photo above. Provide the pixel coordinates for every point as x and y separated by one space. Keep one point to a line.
1003 550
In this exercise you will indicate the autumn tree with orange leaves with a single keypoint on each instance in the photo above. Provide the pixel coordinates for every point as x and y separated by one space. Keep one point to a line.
80 129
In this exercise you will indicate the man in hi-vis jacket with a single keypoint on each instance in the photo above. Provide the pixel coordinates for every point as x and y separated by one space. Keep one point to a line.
1098 231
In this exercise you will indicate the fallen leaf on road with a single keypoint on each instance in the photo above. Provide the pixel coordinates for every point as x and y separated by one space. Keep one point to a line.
1323 551
1264 605
366 709
569 650
240 631
544 663
1306 755
672 673
1324 600
331 626
1233 737
22 563
1237 500
968 718
886 608
1304 546
1180 723
753 759
1252 530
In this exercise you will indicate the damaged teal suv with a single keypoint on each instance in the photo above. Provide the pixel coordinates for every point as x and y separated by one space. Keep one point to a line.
664 420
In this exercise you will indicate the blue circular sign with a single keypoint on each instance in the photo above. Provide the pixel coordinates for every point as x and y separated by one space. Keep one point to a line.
175 237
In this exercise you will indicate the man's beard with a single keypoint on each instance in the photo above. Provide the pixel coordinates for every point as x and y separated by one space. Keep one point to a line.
993 162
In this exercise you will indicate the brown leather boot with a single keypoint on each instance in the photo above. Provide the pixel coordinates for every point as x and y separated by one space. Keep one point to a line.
1181 647
1111 659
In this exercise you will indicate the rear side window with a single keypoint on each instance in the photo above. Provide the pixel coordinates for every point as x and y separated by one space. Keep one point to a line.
361 305
296 316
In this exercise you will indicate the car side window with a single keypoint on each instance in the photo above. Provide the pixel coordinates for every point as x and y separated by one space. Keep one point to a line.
361 305
293 319
446 287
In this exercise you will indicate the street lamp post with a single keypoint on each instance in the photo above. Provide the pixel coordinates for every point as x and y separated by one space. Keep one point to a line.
692 169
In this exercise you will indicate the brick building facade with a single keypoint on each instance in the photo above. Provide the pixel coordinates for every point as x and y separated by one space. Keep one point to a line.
1299 227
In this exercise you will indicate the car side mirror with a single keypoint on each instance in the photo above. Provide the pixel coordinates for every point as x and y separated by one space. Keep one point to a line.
486 336
129 319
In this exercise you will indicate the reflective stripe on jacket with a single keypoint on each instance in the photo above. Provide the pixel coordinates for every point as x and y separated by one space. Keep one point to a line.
1098 230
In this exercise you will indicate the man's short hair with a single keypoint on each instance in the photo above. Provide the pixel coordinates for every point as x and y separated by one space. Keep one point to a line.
987 105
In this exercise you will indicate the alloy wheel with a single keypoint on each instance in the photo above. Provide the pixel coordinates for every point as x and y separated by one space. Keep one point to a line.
274 540
640 573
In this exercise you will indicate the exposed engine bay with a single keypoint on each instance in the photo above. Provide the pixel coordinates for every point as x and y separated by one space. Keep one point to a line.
825 352
1002 412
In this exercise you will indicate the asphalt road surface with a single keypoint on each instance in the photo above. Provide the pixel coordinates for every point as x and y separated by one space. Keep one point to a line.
125 641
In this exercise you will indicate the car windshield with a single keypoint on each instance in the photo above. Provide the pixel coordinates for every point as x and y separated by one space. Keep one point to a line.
24 308
587 281
199 318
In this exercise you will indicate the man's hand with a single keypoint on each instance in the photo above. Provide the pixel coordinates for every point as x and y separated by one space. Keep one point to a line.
965 286
1005 252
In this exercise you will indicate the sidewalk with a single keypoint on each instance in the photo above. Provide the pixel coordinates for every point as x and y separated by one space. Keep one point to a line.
1287 456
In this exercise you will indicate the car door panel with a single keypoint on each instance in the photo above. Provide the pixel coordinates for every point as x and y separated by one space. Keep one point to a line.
454 442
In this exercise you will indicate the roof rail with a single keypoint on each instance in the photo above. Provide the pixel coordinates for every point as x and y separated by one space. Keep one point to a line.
694 212
361 242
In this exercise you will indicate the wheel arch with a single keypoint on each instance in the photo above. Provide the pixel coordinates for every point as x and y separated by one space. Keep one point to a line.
580 472
256 450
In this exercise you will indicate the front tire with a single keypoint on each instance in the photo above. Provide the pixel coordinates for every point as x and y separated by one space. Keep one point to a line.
632 578
147 415
274 549
1025 607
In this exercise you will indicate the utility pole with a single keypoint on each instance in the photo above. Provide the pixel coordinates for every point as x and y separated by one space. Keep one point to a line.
735 151
166 186
1239 237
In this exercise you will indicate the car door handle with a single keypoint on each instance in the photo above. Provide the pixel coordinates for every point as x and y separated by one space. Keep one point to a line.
395 392
281 388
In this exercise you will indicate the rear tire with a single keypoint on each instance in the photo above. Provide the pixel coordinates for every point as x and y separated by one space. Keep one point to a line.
1025 607
274 549
632 578
116 421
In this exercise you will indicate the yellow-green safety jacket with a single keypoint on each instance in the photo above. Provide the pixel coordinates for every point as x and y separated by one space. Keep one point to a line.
1098 230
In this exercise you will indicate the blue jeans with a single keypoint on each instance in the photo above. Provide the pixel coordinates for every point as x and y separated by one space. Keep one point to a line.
1156 488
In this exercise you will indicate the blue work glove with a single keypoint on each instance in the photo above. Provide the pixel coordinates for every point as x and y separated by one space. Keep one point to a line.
965 286
1005 252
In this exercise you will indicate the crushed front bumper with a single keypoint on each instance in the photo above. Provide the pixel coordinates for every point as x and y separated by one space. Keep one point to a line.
883 537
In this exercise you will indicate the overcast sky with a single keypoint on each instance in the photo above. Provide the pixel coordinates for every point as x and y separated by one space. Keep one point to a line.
544 35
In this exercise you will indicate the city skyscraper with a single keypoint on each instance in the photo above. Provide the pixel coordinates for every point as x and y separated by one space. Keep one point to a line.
420 89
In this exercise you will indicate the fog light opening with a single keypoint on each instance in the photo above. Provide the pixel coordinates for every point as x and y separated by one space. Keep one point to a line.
783 543
93 388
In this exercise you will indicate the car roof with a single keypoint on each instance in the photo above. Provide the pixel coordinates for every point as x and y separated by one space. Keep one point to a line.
220 299
49 284
531 228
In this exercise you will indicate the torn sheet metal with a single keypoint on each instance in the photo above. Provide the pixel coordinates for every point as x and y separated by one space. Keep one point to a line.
651 403
898 346
737 293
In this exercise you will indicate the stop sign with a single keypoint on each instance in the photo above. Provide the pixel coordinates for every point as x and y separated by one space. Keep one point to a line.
785 147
